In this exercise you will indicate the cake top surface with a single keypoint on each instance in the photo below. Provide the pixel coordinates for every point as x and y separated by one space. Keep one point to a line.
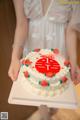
46 64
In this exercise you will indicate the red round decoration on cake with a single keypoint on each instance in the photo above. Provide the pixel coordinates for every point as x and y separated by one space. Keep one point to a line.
44 83
47 65
27 62
33 67
26 74
64 79
23 62
36 50
56 51
66 63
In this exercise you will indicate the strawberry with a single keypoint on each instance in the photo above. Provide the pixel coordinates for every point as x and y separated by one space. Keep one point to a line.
64 79
27 62
50 74
56 51
66 63
23 61
36 50
26 74
44 56
44 83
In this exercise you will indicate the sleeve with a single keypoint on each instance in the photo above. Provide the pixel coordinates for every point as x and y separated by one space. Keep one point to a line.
75 17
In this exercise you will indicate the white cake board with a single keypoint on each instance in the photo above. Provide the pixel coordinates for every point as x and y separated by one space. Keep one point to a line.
20 96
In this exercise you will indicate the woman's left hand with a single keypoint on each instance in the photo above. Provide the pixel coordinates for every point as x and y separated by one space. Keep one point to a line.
75 74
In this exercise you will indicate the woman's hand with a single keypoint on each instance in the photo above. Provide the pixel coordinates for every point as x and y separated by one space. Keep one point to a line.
75 74
14 69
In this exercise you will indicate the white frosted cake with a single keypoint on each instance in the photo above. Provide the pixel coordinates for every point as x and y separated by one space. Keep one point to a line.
47 72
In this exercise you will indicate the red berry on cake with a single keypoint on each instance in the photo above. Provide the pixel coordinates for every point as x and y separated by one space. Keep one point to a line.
44 83
66 63
36 50
56 51
27 62
33 67
23 62
26 74
44 56
49 74
64 79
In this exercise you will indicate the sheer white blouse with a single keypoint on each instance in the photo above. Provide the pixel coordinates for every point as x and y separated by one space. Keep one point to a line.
48 30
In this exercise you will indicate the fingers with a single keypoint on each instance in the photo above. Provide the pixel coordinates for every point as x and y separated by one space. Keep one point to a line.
13 74
75 75
14 70
78 75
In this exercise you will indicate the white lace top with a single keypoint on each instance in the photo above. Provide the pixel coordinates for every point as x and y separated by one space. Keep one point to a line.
48 31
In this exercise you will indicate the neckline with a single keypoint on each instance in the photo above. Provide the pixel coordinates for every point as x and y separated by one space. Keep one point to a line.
46 13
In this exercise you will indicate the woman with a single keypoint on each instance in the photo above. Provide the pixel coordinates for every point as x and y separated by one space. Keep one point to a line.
45 24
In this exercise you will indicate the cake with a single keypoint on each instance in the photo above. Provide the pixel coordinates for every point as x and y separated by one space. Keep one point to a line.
47 72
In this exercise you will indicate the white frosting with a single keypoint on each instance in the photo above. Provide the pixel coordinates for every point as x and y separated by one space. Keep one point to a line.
54 82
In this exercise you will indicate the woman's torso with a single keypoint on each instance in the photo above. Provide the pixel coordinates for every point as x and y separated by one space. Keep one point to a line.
46 28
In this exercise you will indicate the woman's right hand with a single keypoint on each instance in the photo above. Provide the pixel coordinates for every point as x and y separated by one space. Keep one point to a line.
14 69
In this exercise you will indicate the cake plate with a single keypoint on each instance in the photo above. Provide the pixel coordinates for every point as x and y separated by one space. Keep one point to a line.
18 95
